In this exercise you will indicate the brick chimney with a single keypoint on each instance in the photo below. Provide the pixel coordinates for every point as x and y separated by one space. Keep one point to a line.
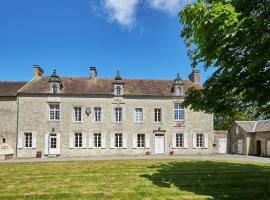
38 71
93 73
195 76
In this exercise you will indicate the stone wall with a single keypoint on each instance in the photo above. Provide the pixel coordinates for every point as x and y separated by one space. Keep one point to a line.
34 117
217 136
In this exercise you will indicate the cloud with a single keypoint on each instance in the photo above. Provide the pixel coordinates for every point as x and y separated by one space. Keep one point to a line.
121 11
169 6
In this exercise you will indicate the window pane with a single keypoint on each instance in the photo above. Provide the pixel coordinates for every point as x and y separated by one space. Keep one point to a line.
97 114
118 114
138 115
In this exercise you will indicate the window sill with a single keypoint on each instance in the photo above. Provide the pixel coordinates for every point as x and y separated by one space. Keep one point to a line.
50 120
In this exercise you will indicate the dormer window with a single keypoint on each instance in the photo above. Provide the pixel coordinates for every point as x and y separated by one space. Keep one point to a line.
177 86
118 90
177 91
54 89
55 83
118 85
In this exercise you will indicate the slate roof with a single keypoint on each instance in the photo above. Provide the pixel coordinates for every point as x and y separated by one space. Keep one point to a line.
10 88
254 126
104 86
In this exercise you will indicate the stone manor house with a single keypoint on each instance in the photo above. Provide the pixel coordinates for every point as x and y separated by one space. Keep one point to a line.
91 116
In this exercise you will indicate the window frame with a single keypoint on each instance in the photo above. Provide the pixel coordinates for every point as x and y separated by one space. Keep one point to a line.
75 114
200 140
158 115
118 114
141 140
118 140
78 140
54 110
178 111
179 140
138 117
97 116
28 141
97 140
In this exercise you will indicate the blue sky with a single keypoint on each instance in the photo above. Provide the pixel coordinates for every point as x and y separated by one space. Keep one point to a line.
138 37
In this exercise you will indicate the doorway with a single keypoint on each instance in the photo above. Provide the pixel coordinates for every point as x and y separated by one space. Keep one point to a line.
53 144
159 144
258 148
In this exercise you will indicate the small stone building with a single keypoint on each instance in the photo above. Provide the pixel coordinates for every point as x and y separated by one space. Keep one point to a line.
250 138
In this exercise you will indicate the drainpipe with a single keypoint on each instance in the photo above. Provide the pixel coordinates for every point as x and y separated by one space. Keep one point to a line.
17 134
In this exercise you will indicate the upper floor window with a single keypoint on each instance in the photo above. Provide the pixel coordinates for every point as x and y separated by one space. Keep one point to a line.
179 140
78 114
97 114
78 140
178 112
54 111
199 140
118 140
138 115
118 114
140 140
97 139
28 140
158 114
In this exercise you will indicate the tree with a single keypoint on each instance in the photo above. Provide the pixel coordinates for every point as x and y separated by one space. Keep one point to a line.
233 37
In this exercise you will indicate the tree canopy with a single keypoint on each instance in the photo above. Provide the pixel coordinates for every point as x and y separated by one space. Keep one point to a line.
233 37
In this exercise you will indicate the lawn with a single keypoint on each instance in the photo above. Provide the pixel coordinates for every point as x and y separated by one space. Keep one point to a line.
138 179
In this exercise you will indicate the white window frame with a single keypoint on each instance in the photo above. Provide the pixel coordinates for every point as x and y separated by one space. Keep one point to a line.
141 140
118 114
138 112
78 140
178 112
157 115
78 116
97 114
200 140
97 140
54 110
179 140
118 140
118 90
28 140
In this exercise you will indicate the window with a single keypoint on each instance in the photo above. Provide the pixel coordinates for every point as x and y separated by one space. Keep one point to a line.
236 130
118 114
138 115
3 140
53 141
78 114
54 112
28 140
118 90
97 114
78 140
178 112
97 139
118 140
177 91
54 89
141 140
199 140
158 114
179 140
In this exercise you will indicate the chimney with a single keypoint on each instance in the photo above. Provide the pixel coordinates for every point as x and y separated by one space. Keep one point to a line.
93 73
38 71
195 76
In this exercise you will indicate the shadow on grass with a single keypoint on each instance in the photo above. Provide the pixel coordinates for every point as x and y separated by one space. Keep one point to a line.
220 180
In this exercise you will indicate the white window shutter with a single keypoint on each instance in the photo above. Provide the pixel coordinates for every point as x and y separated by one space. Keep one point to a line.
34 140
173 140
185 140
84 140
147 141
124 140
46 144
103 140
206 140
71 140
194 140
58 143
90 140
20 140
134 141
112 140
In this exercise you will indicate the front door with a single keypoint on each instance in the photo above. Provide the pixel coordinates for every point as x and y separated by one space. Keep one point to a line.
239 147
268 147
258 148
159 144
222 145
53 144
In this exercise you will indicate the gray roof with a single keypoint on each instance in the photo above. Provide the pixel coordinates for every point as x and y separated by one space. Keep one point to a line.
254 126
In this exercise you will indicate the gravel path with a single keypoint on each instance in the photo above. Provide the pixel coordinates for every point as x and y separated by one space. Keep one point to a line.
144 157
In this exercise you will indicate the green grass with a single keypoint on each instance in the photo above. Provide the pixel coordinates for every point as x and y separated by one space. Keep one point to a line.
138 179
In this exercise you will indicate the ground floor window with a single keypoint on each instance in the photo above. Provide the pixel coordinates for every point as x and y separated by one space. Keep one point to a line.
28 140
119 140
140 140
78 140
179 140
199 140
97 139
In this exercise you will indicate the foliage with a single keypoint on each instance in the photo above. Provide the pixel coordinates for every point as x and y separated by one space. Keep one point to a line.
233 37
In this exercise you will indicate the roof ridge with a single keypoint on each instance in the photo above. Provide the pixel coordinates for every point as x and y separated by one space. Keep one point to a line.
7 81
254 128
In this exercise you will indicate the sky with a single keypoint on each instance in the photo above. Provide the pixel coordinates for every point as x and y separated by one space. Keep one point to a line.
141 38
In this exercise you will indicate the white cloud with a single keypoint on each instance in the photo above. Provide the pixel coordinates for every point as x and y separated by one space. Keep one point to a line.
121 11
170 6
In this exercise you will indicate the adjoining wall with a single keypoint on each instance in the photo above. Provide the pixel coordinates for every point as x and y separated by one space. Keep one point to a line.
8 126
34 117
221 134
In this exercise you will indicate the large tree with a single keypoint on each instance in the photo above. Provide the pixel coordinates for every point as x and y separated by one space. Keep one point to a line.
233 37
